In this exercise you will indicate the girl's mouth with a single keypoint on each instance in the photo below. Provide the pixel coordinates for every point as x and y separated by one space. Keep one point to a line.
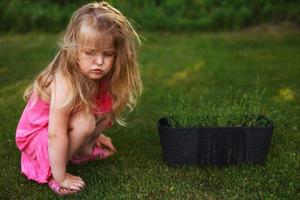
97 71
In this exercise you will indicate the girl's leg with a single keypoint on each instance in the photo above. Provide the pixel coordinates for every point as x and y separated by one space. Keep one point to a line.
81 129
84 132
100 127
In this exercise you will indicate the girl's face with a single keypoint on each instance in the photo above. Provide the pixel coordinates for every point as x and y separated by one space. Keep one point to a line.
96 61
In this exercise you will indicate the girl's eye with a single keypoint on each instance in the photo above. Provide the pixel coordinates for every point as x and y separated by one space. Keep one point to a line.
108 53
89 53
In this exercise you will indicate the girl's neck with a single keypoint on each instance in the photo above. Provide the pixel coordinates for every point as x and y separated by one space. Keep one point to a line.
97 82
98 85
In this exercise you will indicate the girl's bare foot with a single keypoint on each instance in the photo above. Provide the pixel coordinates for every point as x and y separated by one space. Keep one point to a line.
55 187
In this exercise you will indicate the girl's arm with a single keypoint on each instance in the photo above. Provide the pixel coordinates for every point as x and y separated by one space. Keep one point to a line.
58 142
57 131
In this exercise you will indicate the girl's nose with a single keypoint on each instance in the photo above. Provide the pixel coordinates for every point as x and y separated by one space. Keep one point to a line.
99 60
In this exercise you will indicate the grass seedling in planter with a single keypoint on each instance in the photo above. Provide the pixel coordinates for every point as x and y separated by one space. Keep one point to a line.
233 130
234 109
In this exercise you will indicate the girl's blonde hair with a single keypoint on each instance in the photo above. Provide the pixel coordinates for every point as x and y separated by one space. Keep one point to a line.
123 81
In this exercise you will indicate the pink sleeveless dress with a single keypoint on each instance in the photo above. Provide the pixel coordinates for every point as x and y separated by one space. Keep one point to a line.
32 136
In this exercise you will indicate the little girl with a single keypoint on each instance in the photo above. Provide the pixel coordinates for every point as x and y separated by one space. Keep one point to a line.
88 84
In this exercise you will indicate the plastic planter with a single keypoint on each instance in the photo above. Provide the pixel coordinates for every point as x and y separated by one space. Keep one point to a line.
214 145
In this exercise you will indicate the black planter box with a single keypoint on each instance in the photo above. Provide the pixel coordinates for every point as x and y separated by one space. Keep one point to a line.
214 145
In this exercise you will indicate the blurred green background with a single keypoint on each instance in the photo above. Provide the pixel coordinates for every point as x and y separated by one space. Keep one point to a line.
174 15
198 48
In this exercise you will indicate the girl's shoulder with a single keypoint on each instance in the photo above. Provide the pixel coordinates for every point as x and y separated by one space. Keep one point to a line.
59 88
57 83
60 82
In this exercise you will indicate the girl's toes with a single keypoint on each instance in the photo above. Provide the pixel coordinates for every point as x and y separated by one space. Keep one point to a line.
65 191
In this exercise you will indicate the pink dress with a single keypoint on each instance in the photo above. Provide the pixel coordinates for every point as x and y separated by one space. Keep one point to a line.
32 136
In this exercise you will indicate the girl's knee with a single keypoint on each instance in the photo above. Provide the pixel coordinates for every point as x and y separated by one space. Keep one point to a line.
107 119
83 123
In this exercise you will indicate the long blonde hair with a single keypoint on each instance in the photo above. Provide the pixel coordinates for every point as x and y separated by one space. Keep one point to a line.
124 82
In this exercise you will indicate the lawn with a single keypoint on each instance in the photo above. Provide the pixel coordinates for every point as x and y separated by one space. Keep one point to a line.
199 65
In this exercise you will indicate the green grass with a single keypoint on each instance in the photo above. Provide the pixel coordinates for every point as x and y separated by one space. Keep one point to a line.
199 64
234 109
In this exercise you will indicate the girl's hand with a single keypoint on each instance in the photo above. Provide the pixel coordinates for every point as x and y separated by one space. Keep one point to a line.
72 182
104 141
